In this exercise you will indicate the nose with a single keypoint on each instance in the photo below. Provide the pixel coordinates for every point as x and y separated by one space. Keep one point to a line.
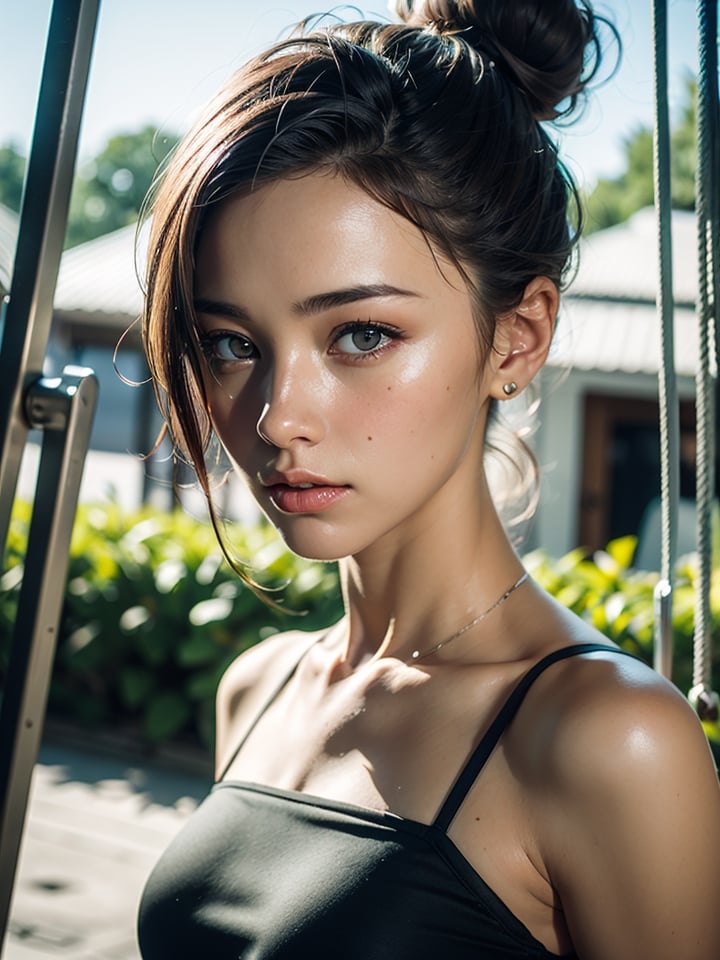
294 410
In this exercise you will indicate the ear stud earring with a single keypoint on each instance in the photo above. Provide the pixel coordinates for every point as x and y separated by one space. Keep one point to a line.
509 388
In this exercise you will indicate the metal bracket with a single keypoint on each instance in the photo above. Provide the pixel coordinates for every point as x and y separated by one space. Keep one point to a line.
64 408
663 604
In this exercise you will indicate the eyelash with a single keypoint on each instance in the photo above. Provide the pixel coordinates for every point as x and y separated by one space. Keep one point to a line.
366 326
209 343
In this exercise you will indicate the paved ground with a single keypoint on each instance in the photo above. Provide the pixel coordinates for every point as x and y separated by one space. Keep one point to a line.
96 826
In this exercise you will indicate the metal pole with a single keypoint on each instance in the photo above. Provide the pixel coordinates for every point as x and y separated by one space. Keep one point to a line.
62 409
27 311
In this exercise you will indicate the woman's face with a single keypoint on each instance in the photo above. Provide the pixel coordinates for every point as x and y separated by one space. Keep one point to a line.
343 369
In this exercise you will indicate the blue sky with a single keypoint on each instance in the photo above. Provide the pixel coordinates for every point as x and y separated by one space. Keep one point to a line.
157 61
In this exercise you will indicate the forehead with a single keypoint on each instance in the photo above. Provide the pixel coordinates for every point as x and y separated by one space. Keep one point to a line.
314 230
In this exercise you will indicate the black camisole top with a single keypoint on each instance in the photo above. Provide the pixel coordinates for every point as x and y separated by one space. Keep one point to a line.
259 873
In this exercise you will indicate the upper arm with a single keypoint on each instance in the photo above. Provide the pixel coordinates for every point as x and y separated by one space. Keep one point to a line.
233 693
246 686
636 836
232 690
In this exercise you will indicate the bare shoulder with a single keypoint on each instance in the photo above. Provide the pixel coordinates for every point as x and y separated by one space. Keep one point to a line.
628 809
600 706
259 665
250 680
609 711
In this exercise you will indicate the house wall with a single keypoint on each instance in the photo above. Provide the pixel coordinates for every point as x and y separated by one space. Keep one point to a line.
558 444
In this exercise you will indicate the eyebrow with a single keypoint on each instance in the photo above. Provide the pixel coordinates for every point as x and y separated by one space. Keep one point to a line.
220 308
340 298
317 303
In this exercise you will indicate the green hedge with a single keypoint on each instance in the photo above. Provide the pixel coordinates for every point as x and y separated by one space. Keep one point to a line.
153 615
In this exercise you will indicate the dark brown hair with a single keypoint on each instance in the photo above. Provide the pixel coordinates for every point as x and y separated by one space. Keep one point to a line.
437 118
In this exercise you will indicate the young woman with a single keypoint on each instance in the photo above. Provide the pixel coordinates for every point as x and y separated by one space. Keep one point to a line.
355 259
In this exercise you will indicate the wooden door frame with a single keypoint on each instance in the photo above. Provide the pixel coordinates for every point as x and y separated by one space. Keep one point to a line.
601 413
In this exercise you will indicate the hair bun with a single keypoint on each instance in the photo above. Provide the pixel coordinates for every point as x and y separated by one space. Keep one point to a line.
549 48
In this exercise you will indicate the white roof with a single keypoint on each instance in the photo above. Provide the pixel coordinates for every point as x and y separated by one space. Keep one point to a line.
99 278
608 318
609 336
622 261
98 282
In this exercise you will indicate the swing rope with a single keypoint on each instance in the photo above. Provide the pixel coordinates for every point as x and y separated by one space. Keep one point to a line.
706 205
667 380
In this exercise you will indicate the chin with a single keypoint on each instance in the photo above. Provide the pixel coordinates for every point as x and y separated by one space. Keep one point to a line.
313 541
321 552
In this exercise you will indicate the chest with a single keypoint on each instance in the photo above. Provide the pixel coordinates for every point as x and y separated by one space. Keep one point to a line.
392 738
261 874
395 742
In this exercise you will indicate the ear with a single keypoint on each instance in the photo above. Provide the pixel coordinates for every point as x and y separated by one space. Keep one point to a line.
522 339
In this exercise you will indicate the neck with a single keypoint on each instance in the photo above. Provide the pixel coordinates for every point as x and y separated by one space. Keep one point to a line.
404 598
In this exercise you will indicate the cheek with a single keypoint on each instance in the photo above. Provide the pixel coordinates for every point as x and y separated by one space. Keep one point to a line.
411 417
235 424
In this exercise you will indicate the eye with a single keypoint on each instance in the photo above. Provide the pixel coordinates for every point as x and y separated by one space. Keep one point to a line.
224 347
363 338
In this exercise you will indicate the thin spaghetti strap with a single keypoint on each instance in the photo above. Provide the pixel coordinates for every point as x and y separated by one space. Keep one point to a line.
271 699
470 772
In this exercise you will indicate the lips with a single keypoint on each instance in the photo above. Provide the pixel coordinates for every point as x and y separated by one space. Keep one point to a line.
305 499
301 492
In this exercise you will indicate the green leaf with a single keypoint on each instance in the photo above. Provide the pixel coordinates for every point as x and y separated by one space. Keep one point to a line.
203 686
208 611
156 646
622 551
135 685
197 649
169 574
134 618
166 715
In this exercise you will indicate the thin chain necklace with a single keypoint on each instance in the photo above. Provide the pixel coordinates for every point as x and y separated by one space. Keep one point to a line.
420 655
